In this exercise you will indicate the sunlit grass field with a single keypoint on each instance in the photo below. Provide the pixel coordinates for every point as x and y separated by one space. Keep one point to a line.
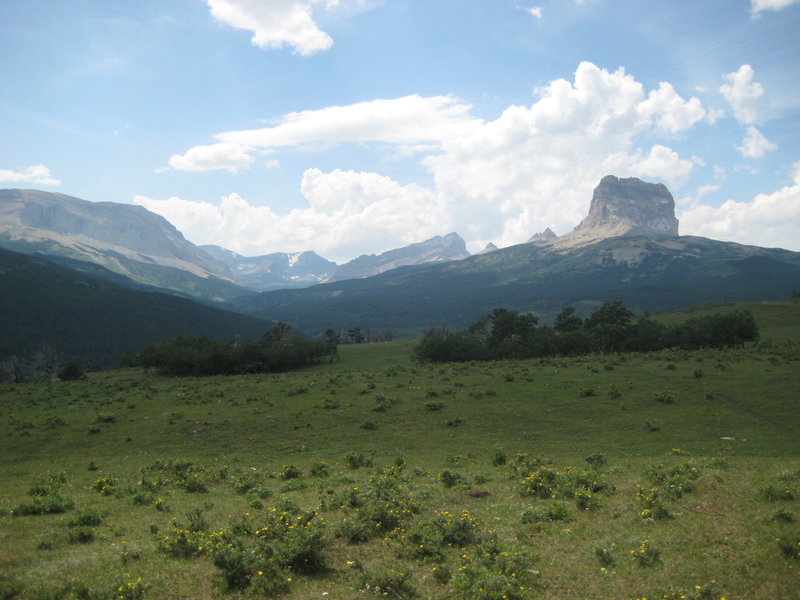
670 475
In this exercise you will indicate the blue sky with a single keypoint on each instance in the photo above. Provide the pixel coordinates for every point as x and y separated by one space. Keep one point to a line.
357 126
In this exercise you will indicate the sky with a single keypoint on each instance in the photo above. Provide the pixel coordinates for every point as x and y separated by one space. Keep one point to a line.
352 127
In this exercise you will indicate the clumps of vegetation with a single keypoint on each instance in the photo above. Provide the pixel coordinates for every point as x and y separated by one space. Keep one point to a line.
356 460
278 350
538 479
611 328
555 511
46 497
646 555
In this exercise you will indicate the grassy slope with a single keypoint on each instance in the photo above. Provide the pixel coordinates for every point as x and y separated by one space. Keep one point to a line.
723 531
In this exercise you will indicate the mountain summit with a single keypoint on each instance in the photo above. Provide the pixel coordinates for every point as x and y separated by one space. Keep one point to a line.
625 207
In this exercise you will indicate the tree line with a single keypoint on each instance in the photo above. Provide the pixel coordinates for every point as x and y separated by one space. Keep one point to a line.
278 350
611 328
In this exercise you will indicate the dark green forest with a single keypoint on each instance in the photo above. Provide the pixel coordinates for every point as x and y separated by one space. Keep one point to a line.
611 328
278 350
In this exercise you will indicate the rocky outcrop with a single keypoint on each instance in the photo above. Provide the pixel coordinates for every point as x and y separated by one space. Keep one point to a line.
490 247
625 206
436 249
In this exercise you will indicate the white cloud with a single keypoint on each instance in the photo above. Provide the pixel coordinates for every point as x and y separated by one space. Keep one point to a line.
663 163
745 96
534 11
276 23
500 180
757 6
768 220
406 120
671 113
38 174
347 212
227 155
755 144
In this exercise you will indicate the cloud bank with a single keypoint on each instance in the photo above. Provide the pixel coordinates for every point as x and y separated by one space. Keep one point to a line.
498 181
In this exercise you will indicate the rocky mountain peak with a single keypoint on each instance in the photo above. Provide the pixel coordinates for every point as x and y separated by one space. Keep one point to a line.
633 205
625 206
547 234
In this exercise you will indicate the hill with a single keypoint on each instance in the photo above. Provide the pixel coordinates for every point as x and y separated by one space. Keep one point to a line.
93 319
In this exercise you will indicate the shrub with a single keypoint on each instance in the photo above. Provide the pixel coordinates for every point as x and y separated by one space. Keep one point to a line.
605 557
784 515
134 589
105 485
664 397
392 582
71 372
773 493
646 555
355 460
290 472
89 518
499 458
596 460
450 478
790 548
557 511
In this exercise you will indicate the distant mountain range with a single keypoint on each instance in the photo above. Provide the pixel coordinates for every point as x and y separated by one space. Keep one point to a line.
283 270
627 248
436 249
146 249
274 271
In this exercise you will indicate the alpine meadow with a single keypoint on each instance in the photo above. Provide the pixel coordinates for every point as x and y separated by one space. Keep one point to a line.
626 475
400 300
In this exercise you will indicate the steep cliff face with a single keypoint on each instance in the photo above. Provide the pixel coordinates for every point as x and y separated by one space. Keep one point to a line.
625 206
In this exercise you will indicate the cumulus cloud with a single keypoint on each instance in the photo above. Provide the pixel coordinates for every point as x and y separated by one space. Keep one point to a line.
758 6
755 144
229 156
277 23
38 174
499 180
670 113
347 212
745 96
768 220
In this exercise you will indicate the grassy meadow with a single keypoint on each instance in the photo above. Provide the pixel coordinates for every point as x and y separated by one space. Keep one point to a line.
661 476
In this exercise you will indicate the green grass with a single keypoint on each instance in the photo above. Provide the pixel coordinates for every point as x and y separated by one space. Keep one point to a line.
733 418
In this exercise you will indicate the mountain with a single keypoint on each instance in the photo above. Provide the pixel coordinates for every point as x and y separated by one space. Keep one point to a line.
279 270
623 207
436 249
627 249
93 320
123 238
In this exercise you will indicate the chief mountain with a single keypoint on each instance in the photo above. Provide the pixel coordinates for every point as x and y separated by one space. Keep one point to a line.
627 248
